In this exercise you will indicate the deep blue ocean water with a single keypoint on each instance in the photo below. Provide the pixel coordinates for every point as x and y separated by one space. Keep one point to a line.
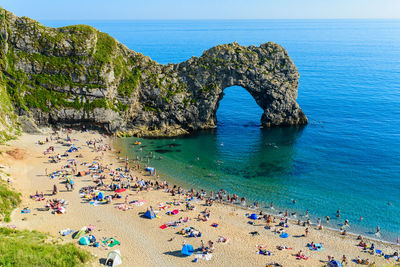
347 158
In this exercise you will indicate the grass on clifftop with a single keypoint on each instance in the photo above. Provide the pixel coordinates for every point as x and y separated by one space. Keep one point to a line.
26 248
8 201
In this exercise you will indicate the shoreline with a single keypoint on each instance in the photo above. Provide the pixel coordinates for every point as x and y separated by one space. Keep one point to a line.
142 240
263 208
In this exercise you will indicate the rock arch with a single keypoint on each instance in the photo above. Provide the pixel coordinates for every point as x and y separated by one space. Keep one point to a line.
266 72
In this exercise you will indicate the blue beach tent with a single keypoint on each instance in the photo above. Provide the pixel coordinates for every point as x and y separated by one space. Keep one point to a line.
253 216
334 264
150 214
284 235
187 250
84 241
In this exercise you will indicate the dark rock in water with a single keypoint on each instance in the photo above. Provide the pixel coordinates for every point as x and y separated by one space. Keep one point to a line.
174 145
76 75
247 176
162 151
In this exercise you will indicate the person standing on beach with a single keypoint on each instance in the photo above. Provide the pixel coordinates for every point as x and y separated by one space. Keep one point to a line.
344 260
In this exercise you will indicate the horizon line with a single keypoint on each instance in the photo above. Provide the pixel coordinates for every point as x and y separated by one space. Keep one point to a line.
181 19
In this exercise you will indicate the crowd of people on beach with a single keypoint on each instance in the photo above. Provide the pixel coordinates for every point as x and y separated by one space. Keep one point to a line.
109 183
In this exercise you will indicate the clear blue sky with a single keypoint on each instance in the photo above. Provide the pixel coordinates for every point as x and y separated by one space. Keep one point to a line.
202 9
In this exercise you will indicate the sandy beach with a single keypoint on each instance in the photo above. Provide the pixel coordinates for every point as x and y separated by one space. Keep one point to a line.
143 242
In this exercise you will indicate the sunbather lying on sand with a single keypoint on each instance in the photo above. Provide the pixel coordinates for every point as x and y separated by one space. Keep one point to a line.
279 247
263 250
300 255
222 239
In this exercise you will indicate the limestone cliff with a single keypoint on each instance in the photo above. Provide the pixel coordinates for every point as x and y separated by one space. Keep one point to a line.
78 75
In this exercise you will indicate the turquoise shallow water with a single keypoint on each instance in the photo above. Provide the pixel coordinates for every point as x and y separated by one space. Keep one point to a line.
347 158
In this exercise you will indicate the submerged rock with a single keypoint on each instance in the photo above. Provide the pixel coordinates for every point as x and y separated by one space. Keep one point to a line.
77 75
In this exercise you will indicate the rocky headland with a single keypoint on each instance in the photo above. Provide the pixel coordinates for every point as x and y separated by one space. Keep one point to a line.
77 75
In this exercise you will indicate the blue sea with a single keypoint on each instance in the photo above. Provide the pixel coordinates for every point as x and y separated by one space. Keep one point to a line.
347 157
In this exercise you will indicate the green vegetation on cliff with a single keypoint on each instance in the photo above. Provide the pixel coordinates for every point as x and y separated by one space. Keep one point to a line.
8 201
26 248
50 64
8 119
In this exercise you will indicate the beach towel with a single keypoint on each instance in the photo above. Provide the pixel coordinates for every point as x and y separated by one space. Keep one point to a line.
94 203
111 242
123 207
317 247
175 212
138 202
66 232
120 190
79 233
265 252
203 256
163 226
214 225
302 258
25 211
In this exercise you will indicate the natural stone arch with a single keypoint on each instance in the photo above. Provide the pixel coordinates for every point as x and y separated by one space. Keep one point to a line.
266 72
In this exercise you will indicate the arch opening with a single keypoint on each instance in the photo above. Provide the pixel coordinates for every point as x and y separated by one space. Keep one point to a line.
237 108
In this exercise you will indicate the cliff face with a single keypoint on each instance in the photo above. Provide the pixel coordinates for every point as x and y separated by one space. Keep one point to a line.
78 75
